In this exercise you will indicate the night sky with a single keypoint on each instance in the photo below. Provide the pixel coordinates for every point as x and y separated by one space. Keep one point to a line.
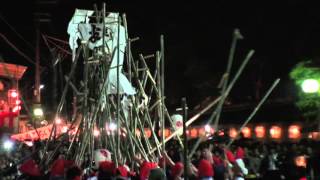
197 39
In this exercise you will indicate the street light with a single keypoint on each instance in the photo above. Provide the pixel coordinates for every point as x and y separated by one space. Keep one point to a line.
38 112
310 86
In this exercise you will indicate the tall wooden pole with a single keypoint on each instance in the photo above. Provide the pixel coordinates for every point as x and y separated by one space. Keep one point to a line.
185 140
37 70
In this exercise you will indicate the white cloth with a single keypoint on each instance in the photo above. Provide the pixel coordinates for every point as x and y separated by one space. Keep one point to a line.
115 44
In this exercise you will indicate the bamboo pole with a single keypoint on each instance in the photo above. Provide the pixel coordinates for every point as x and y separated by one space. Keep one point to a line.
236 37
185 138
244 63
275 83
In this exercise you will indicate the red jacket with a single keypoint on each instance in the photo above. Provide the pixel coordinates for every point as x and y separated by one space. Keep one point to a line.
205 168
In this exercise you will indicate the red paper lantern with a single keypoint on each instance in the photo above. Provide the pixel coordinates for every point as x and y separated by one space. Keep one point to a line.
260 131
294 132
275 132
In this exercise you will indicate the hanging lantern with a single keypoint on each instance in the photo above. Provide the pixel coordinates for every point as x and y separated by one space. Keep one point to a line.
246 131
233 132
301 161
294 132
260 131
275 132
193 133
201 132
147 131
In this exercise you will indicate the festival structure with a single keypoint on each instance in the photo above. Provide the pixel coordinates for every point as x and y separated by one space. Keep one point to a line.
119 97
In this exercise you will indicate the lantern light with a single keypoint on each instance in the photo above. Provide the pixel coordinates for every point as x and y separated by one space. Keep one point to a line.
275 132
260 131
246 131
193 133
233 132
301 161
207 128
148 133
294 132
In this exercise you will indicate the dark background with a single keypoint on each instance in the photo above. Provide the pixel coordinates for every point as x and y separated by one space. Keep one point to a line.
198 36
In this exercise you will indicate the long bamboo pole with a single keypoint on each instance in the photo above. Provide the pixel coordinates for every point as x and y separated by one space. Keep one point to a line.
275 83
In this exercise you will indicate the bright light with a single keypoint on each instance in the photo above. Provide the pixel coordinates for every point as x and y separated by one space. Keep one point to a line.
275 132
96 132
207 128
310 86
29 143
18 101
16 109
41 86
38 112
233 133
7 145
301 161
294 132
246 131
44 122
64 129
58 121
260 131
13 93
112 126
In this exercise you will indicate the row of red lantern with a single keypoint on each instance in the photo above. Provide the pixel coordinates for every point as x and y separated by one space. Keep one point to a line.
260 132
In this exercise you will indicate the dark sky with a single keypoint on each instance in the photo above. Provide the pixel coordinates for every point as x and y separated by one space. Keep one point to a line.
197 38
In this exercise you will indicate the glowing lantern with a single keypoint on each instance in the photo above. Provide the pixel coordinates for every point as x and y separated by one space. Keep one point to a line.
260 131
313 135
301 161
246 132
147 131
193 133
233 132
294 132
166 132
275 132
201 132
208 129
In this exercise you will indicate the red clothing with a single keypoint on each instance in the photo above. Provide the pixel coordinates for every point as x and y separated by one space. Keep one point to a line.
230 156
107 166
30 167
145 169
205 168
240 153
59 166
123 171
176 169
217 160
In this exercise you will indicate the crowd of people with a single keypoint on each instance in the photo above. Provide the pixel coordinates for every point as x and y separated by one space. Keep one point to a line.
213 160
